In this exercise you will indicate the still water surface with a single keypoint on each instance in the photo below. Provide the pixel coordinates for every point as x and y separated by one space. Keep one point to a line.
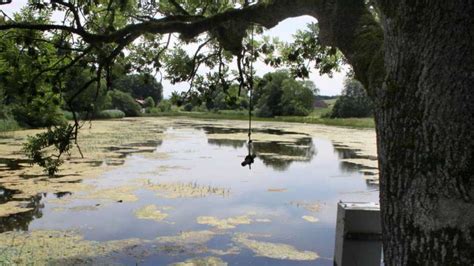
294 176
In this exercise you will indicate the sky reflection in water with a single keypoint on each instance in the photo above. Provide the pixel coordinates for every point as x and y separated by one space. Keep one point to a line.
307 170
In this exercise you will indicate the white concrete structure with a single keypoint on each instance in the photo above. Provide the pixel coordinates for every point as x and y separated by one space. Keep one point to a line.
358 234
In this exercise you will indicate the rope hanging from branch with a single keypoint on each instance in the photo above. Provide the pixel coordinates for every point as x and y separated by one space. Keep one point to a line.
250 158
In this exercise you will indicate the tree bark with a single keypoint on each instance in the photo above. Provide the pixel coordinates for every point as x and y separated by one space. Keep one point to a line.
425 125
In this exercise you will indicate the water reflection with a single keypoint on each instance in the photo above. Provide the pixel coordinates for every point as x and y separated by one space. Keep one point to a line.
263 197
21 221
345 153
278 155
6 194
229 130
14 164
234 143
125 150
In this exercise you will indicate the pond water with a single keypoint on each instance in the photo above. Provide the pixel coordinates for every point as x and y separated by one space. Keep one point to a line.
187 196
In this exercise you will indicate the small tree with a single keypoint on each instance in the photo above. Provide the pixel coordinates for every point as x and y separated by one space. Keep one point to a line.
164 106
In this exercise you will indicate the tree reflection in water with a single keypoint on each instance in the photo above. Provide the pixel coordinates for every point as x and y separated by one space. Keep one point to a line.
345 153
278 155
20 221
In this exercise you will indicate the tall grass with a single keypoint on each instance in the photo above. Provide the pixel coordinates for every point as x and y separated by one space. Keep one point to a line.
8 125
110 114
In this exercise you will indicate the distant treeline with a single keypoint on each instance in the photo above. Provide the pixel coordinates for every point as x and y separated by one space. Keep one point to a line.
325 97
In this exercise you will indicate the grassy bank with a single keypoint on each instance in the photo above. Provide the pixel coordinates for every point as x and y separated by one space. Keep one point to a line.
313 118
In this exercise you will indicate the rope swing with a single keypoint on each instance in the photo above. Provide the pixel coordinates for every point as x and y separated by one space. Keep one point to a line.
250 158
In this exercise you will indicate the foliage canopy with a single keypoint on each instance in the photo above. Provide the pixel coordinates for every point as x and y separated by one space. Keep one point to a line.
119 44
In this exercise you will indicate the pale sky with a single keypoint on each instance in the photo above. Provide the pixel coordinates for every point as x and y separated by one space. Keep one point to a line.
284 30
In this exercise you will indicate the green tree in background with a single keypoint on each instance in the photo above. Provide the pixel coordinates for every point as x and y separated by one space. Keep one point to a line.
278 94
140 86
229 99
125 103
353 102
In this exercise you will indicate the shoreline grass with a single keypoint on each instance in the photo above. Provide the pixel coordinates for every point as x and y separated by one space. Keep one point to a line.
313 118
236 115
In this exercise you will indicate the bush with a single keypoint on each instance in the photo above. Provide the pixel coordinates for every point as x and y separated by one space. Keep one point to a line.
264 111
296 108
110 114
153 111
200 108
149 102
68 115
188 107
8 124
164 106
125 102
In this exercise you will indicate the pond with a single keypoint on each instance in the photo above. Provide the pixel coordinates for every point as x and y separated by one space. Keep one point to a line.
172 191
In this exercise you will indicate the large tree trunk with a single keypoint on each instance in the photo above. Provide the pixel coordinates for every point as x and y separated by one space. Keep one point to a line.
425 132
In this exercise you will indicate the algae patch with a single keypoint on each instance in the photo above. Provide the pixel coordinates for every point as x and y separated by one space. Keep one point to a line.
230 251
277 190
206 261
77 208
184 190
150 212
227 223
57 247
310 219
189 237
13 207
263 220
309 206
273 250
124 193
191 242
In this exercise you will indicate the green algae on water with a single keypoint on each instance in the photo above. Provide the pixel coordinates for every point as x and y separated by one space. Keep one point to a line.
227 223
206 261
273 250
150 212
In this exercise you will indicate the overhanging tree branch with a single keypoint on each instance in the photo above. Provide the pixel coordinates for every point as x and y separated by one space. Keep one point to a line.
346 24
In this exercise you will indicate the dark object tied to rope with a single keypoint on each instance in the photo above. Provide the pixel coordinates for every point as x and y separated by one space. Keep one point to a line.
250 158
